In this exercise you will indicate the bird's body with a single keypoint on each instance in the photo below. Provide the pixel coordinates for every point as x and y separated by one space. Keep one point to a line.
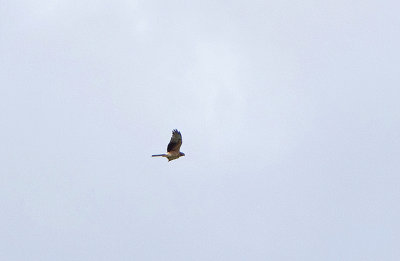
173 149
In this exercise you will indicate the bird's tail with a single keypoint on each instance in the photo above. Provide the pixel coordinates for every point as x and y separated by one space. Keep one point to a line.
159 155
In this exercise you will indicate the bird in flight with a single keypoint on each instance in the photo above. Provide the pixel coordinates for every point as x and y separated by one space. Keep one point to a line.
173 149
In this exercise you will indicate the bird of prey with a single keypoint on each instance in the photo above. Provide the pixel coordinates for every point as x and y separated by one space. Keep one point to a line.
173 149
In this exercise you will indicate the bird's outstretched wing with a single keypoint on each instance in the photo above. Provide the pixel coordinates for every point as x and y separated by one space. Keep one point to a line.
175 142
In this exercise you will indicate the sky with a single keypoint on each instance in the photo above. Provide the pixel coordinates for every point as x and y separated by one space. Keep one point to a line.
289 113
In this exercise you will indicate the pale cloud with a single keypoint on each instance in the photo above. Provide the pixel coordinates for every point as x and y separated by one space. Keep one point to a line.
287 111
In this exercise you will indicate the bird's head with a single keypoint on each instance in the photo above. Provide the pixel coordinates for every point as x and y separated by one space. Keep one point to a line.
182 154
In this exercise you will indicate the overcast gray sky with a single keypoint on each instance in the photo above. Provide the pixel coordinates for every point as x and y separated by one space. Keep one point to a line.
289 113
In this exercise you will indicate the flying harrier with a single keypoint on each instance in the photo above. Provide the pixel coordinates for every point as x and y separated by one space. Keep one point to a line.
173 147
